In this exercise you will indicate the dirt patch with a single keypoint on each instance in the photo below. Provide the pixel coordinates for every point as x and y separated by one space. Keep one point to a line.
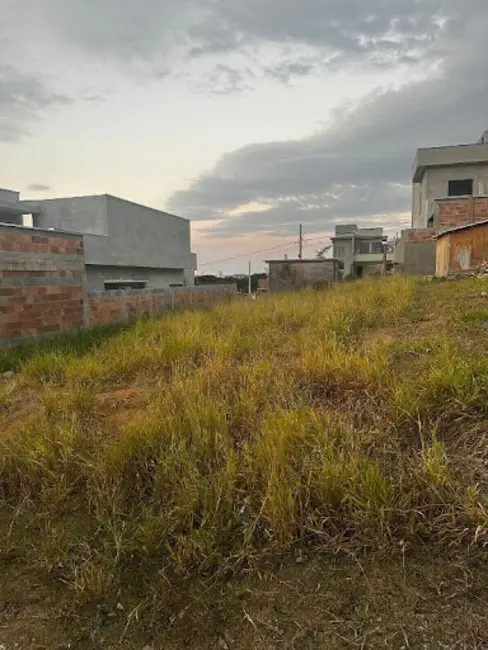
124 398
20 405
309 602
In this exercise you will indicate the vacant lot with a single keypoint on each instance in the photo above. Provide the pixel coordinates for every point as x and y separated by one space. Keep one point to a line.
302 471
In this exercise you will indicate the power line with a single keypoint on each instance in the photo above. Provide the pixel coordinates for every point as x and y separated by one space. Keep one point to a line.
264 250
235 257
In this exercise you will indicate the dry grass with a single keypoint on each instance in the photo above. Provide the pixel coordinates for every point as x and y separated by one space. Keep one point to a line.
193 444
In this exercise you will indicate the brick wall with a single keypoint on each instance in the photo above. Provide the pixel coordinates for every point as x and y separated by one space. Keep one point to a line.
451 213
43 289
420 236
41 283
121 306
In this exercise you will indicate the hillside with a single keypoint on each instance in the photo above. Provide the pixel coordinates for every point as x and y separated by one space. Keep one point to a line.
300 471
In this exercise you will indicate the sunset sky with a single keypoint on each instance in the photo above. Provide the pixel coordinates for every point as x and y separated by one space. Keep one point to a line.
246 117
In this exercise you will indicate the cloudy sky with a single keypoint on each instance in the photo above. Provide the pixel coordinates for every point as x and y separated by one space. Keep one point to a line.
249 117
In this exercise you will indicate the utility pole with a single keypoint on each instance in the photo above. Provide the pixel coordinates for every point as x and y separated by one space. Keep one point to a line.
250 286
300 242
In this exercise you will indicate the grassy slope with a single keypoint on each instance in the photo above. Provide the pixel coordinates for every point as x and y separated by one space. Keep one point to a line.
150 467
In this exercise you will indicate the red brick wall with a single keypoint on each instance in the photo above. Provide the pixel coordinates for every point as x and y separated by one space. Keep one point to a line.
105 310
420 236
41 283
119 306
42 289
461 212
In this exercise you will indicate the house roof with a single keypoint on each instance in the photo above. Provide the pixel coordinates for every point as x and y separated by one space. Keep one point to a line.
470 225
282 261
359 235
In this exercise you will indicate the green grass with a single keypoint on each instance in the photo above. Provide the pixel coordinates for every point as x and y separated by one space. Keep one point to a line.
188 444
74 344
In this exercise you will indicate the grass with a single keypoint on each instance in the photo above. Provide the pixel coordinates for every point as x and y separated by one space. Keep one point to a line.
194 444
69 345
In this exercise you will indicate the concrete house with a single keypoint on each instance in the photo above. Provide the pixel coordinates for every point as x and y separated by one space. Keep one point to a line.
126 244
449 171
360 250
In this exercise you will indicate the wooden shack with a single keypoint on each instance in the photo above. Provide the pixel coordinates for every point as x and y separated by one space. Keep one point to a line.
462 249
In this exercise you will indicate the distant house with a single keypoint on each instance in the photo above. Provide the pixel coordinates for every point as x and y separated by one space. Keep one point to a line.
462 249
290 275
360 250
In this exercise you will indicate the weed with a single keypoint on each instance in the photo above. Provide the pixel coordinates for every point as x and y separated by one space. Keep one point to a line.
264 422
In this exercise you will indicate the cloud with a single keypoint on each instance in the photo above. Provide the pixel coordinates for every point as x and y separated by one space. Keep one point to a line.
221 80
143 35
359 168
23 98
39 187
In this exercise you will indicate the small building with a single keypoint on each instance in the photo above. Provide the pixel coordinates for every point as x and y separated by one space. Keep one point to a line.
360 250
291 275
448 171
462 249
127 245
416 249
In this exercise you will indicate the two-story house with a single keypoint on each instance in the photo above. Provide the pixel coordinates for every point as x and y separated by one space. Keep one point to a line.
360 250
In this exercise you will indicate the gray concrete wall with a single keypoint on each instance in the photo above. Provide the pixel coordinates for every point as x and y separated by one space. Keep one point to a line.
6 217
9 196
419 258
84 214
142 236
416 257
155 278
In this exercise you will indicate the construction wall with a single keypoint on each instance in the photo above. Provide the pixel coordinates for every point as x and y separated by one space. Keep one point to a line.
42 275
120 306
43 289
415 252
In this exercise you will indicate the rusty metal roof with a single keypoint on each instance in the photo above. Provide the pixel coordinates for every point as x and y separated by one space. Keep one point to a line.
469 225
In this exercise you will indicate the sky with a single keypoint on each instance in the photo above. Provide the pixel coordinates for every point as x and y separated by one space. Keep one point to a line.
248 118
